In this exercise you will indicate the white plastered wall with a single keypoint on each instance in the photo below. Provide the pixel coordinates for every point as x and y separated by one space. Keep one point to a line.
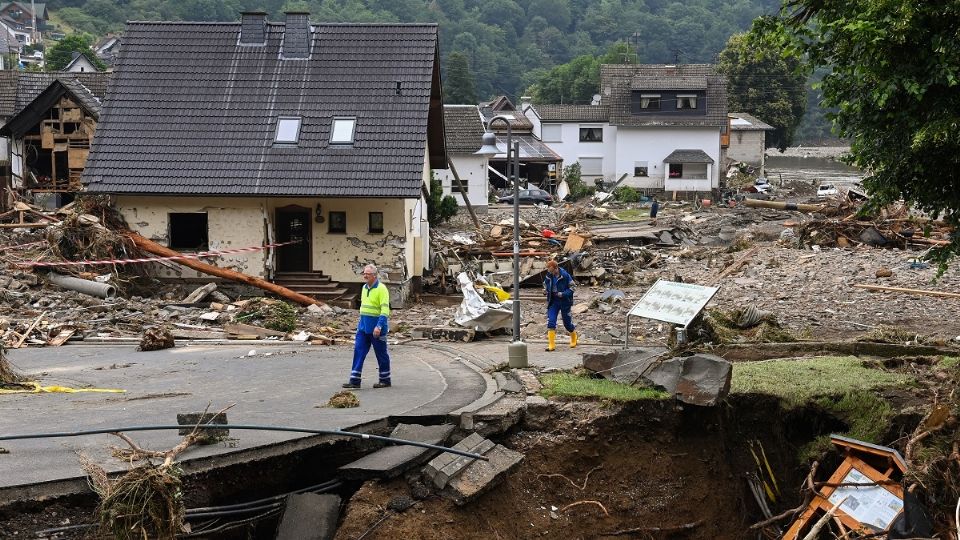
654 144
473 172
571 149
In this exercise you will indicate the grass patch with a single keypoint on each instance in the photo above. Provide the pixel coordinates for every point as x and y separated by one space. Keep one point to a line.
950 361
579 386
633 214
799 380
842 386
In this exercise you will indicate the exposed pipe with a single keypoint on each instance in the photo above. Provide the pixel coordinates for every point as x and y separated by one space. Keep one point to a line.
85 286
337 432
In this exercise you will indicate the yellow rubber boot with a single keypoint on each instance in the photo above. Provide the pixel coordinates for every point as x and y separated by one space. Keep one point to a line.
573 339
551 340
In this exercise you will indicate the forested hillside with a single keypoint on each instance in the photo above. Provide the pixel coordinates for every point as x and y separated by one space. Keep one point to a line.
508 44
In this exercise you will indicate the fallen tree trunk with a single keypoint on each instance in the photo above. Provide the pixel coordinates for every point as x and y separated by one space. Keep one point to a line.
155 248
781 205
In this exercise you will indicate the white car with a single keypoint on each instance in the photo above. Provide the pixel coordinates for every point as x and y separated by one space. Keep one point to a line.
826 190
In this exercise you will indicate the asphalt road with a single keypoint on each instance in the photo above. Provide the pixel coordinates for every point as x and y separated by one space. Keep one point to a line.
276 384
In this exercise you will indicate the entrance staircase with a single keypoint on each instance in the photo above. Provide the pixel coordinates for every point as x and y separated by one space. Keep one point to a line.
319 286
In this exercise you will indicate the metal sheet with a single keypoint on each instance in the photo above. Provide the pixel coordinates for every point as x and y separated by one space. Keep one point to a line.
672 302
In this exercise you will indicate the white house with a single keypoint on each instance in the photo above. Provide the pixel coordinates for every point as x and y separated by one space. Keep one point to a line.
80 64
464 133
661 125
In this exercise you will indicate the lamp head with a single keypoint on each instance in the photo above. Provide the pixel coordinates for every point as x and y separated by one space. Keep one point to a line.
489 147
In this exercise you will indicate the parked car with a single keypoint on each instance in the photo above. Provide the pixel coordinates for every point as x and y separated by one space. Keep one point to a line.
529 196
761 185
826 190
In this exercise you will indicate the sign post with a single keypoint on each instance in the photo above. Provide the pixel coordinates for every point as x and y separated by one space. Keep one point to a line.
671 302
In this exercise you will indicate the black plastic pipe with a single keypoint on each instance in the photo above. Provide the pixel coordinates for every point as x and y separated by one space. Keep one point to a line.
252 427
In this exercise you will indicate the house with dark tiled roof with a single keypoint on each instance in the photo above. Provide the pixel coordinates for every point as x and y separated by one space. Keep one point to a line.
664 126
748 140
317 136
464 129
48 121
538 162
20 18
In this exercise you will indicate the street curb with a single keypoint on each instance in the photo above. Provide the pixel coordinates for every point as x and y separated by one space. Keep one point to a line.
491 395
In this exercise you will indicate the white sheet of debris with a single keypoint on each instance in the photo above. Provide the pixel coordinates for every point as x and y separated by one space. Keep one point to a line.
476 313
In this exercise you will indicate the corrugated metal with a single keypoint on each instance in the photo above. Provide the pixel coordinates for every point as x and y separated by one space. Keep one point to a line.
190 112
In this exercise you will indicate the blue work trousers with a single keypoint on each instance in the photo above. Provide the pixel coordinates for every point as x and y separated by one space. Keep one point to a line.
562 308
361 346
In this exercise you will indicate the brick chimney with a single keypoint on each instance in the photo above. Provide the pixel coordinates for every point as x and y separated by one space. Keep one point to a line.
296 35
253 28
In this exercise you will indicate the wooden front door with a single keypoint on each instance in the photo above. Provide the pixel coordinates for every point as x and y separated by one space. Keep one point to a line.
293 225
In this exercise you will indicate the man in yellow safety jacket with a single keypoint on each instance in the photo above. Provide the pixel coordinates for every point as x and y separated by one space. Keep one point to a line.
372 329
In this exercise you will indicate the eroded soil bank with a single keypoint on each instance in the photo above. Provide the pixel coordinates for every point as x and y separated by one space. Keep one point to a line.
650 465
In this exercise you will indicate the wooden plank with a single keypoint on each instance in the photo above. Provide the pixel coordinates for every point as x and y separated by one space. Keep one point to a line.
575 242
908 291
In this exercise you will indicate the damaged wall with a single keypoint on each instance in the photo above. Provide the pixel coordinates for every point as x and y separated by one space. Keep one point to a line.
236 222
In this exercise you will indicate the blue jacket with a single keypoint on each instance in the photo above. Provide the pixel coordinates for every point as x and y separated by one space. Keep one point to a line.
562 284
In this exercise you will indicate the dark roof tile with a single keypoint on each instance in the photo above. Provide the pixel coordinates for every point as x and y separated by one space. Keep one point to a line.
573 113
464 128
617 81
189 111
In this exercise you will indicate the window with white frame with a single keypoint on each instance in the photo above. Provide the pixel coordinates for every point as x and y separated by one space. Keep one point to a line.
552 133
650 102
686 101
591 166
341 130
640 168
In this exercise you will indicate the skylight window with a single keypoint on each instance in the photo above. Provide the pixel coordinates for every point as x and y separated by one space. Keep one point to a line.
341 132
288 130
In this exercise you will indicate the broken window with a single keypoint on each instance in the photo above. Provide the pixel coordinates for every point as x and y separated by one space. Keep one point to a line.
338 222
686 101
376 222
640 168
188 231
591 134
676 170
341 132
288 130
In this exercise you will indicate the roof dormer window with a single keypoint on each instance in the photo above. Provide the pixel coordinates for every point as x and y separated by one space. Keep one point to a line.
288 130
341 131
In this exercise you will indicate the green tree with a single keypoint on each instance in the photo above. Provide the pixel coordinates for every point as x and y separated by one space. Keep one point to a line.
459 87
579 79
895 81
440 207
61 54
763 83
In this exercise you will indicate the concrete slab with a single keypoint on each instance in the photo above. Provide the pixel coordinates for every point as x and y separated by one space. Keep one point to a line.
480 476
392 461
436 464
459 463
274 384
309 516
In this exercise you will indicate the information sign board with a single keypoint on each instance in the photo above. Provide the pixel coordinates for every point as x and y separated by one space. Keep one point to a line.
672 302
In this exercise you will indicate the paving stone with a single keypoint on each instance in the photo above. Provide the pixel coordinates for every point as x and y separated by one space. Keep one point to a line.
459 463
507 382
445 458
499 417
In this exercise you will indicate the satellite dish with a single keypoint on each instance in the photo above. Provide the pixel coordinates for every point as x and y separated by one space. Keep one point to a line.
595 100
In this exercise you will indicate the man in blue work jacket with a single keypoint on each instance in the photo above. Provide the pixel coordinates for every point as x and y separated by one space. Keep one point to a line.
558 286
372 329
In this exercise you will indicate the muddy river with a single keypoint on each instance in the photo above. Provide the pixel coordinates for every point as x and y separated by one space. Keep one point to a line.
815 170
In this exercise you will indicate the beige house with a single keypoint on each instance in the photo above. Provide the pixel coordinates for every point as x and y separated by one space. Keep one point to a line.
748 140
319 137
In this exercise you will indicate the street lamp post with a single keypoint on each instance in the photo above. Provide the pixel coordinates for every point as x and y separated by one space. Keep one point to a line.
517 352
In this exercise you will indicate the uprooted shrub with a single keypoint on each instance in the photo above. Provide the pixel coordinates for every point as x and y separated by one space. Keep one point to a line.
145 502
273 314
743 325
90 230
7 374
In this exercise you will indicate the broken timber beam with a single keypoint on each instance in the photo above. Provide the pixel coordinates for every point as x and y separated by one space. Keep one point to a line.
908 291
782 205
225 273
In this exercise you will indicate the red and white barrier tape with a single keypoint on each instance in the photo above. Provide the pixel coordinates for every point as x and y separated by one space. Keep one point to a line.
154 259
